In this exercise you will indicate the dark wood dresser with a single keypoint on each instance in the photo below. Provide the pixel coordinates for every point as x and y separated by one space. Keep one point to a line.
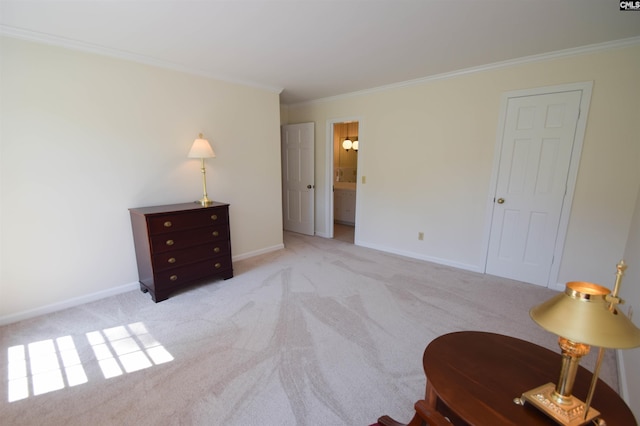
179 244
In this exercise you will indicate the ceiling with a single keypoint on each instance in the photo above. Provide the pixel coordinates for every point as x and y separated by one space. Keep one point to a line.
313 49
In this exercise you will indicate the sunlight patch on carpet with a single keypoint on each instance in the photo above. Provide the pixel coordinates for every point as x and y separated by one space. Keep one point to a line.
53 364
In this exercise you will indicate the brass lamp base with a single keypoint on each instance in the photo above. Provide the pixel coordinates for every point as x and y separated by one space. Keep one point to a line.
205 202
567 414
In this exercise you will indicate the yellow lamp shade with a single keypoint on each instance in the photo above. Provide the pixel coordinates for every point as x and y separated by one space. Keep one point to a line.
582 314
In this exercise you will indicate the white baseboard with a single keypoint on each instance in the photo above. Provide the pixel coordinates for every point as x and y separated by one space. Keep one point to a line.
439 261
69 303
623 386
558 286
258 252
76 301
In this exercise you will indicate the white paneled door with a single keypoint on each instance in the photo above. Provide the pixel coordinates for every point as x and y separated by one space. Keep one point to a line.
298 187
535 157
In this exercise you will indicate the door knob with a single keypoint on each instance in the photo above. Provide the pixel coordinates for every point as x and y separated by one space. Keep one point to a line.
309 186
500 200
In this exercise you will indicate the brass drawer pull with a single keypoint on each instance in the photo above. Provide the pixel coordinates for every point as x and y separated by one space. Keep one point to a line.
216 250
172 260
218 265
214 217
215 233
169 242
168 224
173 277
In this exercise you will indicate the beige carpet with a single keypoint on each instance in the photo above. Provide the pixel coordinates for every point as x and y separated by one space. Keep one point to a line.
320 333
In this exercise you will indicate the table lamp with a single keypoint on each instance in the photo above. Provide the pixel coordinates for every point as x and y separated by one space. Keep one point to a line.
584 315
202 149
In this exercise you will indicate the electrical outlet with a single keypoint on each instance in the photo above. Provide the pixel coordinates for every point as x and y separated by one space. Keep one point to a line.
421 236
364 180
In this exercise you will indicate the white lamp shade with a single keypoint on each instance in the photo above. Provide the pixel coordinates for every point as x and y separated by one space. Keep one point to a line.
355 145
347 144
201 149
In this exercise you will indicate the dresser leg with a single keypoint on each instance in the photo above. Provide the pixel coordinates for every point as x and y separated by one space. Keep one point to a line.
159 297
154 296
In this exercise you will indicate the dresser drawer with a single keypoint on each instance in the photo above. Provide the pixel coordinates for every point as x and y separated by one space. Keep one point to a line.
178 258
161 224
179 240
186 274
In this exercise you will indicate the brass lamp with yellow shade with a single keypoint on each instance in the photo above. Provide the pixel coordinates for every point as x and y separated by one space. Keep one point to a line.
584 315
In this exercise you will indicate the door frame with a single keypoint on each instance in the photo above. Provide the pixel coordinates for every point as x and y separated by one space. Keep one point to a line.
329 174
586 88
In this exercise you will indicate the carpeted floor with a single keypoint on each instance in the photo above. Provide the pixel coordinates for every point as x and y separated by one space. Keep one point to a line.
320 333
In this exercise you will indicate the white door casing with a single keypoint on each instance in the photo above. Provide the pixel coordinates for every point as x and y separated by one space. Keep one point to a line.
298 187
539 150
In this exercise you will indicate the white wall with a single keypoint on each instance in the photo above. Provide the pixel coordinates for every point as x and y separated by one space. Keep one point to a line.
427 153
630 292
86 137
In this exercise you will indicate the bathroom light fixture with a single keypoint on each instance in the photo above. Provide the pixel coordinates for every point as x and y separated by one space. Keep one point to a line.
347 144
202 149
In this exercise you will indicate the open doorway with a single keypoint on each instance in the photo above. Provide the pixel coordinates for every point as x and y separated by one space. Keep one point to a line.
345 177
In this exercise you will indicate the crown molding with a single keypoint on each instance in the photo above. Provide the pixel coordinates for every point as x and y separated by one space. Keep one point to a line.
37 37
34 36
616 44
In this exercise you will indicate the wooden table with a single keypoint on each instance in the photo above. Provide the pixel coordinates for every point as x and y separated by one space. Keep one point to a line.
473 377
